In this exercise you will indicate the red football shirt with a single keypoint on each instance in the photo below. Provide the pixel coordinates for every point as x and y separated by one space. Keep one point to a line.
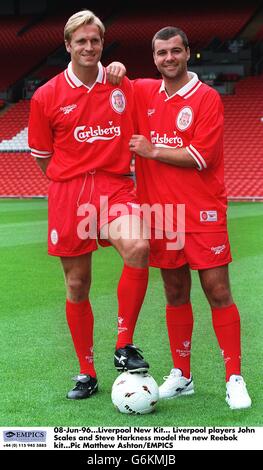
192 118
82 128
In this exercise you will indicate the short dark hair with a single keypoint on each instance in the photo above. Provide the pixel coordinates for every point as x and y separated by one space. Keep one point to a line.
169 32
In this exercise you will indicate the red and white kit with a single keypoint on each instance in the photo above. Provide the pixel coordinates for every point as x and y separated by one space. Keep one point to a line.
191 118
85 131
81 128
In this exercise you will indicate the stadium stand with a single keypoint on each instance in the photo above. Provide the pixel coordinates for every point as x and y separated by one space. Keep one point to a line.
47 71
27 42
31 48
259 35
13 127
243 140
129 37
20 176
243 146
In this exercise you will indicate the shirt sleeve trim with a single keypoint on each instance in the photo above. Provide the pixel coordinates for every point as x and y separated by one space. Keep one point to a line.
197 157
194 157
40 153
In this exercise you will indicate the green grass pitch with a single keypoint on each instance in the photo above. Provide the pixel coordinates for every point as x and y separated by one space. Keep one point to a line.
37 356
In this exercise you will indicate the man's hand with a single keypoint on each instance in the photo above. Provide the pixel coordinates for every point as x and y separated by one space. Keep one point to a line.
115 72
43 164
173 156
142 146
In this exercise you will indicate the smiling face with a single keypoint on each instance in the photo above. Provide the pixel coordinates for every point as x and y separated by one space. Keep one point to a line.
85 47
170 57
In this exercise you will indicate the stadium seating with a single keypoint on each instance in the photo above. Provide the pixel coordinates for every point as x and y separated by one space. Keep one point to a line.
19 173
26 43
129 37
31 48
259 35
13 127
201 27
20 176
243 140
243 146
46 72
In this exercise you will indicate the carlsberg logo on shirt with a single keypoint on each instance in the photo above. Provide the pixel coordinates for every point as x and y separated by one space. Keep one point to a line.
90 134
166 141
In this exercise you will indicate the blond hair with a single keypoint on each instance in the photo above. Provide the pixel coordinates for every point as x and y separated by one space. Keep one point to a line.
79 19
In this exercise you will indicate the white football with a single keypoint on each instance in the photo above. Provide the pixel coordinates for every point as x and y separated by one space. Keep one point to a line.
135 393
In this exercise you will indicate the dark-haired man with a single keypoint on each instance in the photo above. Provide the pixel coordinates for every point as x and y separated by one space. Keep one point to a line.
180 144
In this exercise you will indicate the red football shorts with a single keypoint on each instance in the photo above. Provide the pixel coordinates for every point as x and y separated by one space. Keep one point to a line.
78 208
200 251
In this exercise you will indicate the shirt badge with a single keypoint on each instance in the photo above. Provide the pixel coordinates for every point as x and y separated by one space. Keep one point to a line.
118 101
184 118
208 216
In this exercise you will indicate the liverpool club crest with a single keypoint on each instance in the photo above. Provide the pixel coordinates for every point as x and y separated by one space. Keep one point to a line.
118 101
184 118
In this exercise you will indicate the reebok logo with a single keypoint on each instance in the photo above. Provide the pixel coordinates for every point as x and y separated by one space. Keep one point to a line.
218 249
68 109
150 112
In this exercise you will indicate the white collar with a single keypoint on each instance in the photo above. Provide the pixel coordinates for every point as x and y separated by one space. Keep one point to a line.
78 83
186 88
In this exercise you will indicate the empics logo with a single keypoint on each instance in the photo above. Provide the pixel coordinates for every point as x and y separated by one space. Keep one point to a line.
91 134
25 436
9 434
